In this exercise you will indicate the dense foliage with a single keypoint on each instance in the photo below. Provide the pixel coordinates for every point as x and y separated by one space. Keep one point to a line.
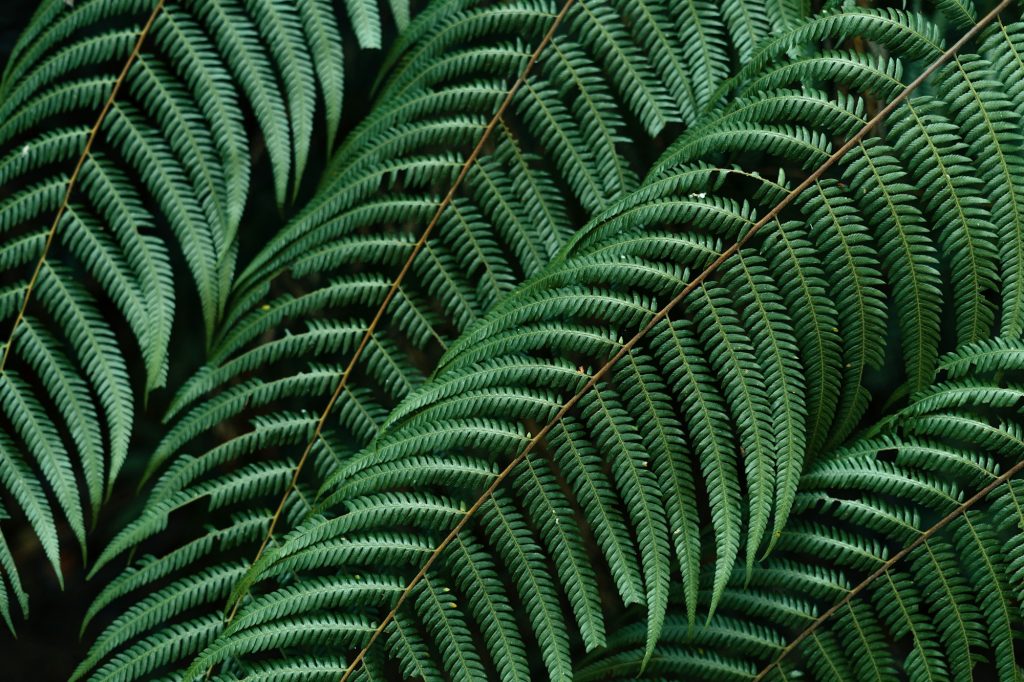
471 340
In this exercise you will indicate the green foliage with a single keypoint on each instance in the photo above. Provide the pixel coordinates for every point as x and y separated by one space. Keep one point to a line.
952 604
750 431
510 218
169 172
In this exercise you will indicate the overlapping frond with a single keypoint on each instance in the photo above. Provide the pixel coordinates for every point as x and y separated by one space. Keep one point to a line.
562 151
762 365
841 577
150 100
678 471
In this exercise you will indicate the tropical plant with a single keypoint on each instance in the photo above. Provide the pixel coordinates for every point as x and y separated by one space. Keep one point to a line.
168 147
608 343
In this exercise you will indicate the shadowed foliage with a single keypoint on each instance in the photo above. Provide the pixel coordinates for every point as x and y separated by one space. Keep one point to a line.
612 340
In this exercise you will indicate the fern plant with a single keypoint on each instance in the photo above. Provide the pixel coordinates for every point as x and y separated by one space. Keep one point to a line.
902 557
507 221
150 99
608 344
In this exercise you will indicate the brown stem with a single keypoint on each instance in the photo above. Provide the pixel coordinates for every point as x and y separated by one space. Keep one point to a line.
663 313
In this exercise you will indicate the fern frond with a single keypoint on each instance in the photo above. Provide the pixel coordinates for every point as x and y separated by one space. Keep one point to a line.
909 540
144 96
763 366
508 221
